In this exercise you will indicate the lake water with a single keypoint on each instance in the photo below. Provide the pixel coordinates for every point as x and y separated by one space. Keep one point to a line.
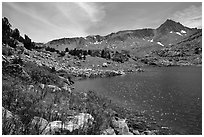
171 95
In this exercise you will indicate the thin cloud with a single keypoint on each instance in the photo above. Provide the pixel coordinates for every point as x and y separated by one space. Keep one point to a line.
191 16
58 19
94 11
29 12
44 21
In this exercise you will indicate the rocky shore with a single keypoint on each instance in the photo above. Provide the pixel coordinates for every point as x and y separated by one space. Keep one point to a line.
37 80
56 107
70 65
97 119
38 99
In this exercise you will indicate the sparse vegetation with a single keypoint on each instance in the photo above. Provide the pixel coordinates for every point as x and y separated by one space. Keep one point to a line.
39 91
51 49
27 104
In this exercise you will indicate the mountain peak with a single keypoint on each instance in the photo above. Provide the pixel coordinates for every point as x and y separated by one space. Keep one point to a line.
170 25
170 20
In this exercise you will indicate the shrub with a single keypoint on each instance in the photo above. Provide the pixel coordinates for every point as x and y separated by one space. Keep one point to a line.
41 74
119 57
51 49
28 43
62 53
17 60
8 51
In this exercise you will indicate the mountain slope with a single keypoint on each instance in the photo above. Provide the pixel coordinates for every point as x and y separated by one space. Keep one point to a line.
138 42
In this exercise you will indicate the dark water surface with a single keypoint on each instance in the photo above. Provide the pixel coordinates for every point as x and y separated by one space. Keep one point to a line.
172 95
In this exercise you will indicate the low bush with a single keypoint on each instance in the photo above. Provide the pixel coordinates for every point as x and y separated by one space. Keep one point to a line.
41 74
8 51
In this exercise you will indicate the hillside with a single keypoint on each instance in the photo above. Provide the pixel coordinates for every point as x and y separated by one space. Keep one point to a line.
38 96
186 52
37 79
141 44
137 42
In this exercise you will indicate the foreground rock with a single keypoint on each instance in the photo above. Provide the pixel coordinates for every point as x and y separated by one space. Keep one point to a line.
121 126
11 123
109 131
81 121
38 125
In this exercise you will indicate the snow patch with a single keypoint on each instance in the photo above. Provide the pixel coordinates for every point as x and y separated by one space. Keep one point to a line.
150 40
179 33
160 44
97 42
183 31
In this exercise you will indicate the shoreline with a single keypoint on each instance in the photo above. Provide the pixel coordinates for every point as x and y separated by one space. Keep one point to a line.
53 83
100 86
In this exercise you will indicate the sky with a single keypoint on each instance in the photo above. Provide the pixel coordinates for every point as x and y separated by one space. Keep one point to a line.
45 21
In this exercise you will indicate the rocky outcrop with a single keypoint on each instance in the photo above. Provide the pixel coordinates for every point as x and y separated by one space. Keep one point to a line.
120 126
92 73
67 88
147 132
53 88
105 65
7 114
81 121
5 60
38 125
109 131
11 123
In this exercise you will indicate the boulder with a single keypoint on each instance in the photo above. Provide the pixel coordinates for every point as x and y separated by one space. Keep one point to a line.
139 70
31 88
53 88
53 127
136 132
6 114
121 126
11 124
120 72
81 121
105 65
25 75
67 81
5 60
42 86
38 124
8 125
148 133
108 131
67 88
140 126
